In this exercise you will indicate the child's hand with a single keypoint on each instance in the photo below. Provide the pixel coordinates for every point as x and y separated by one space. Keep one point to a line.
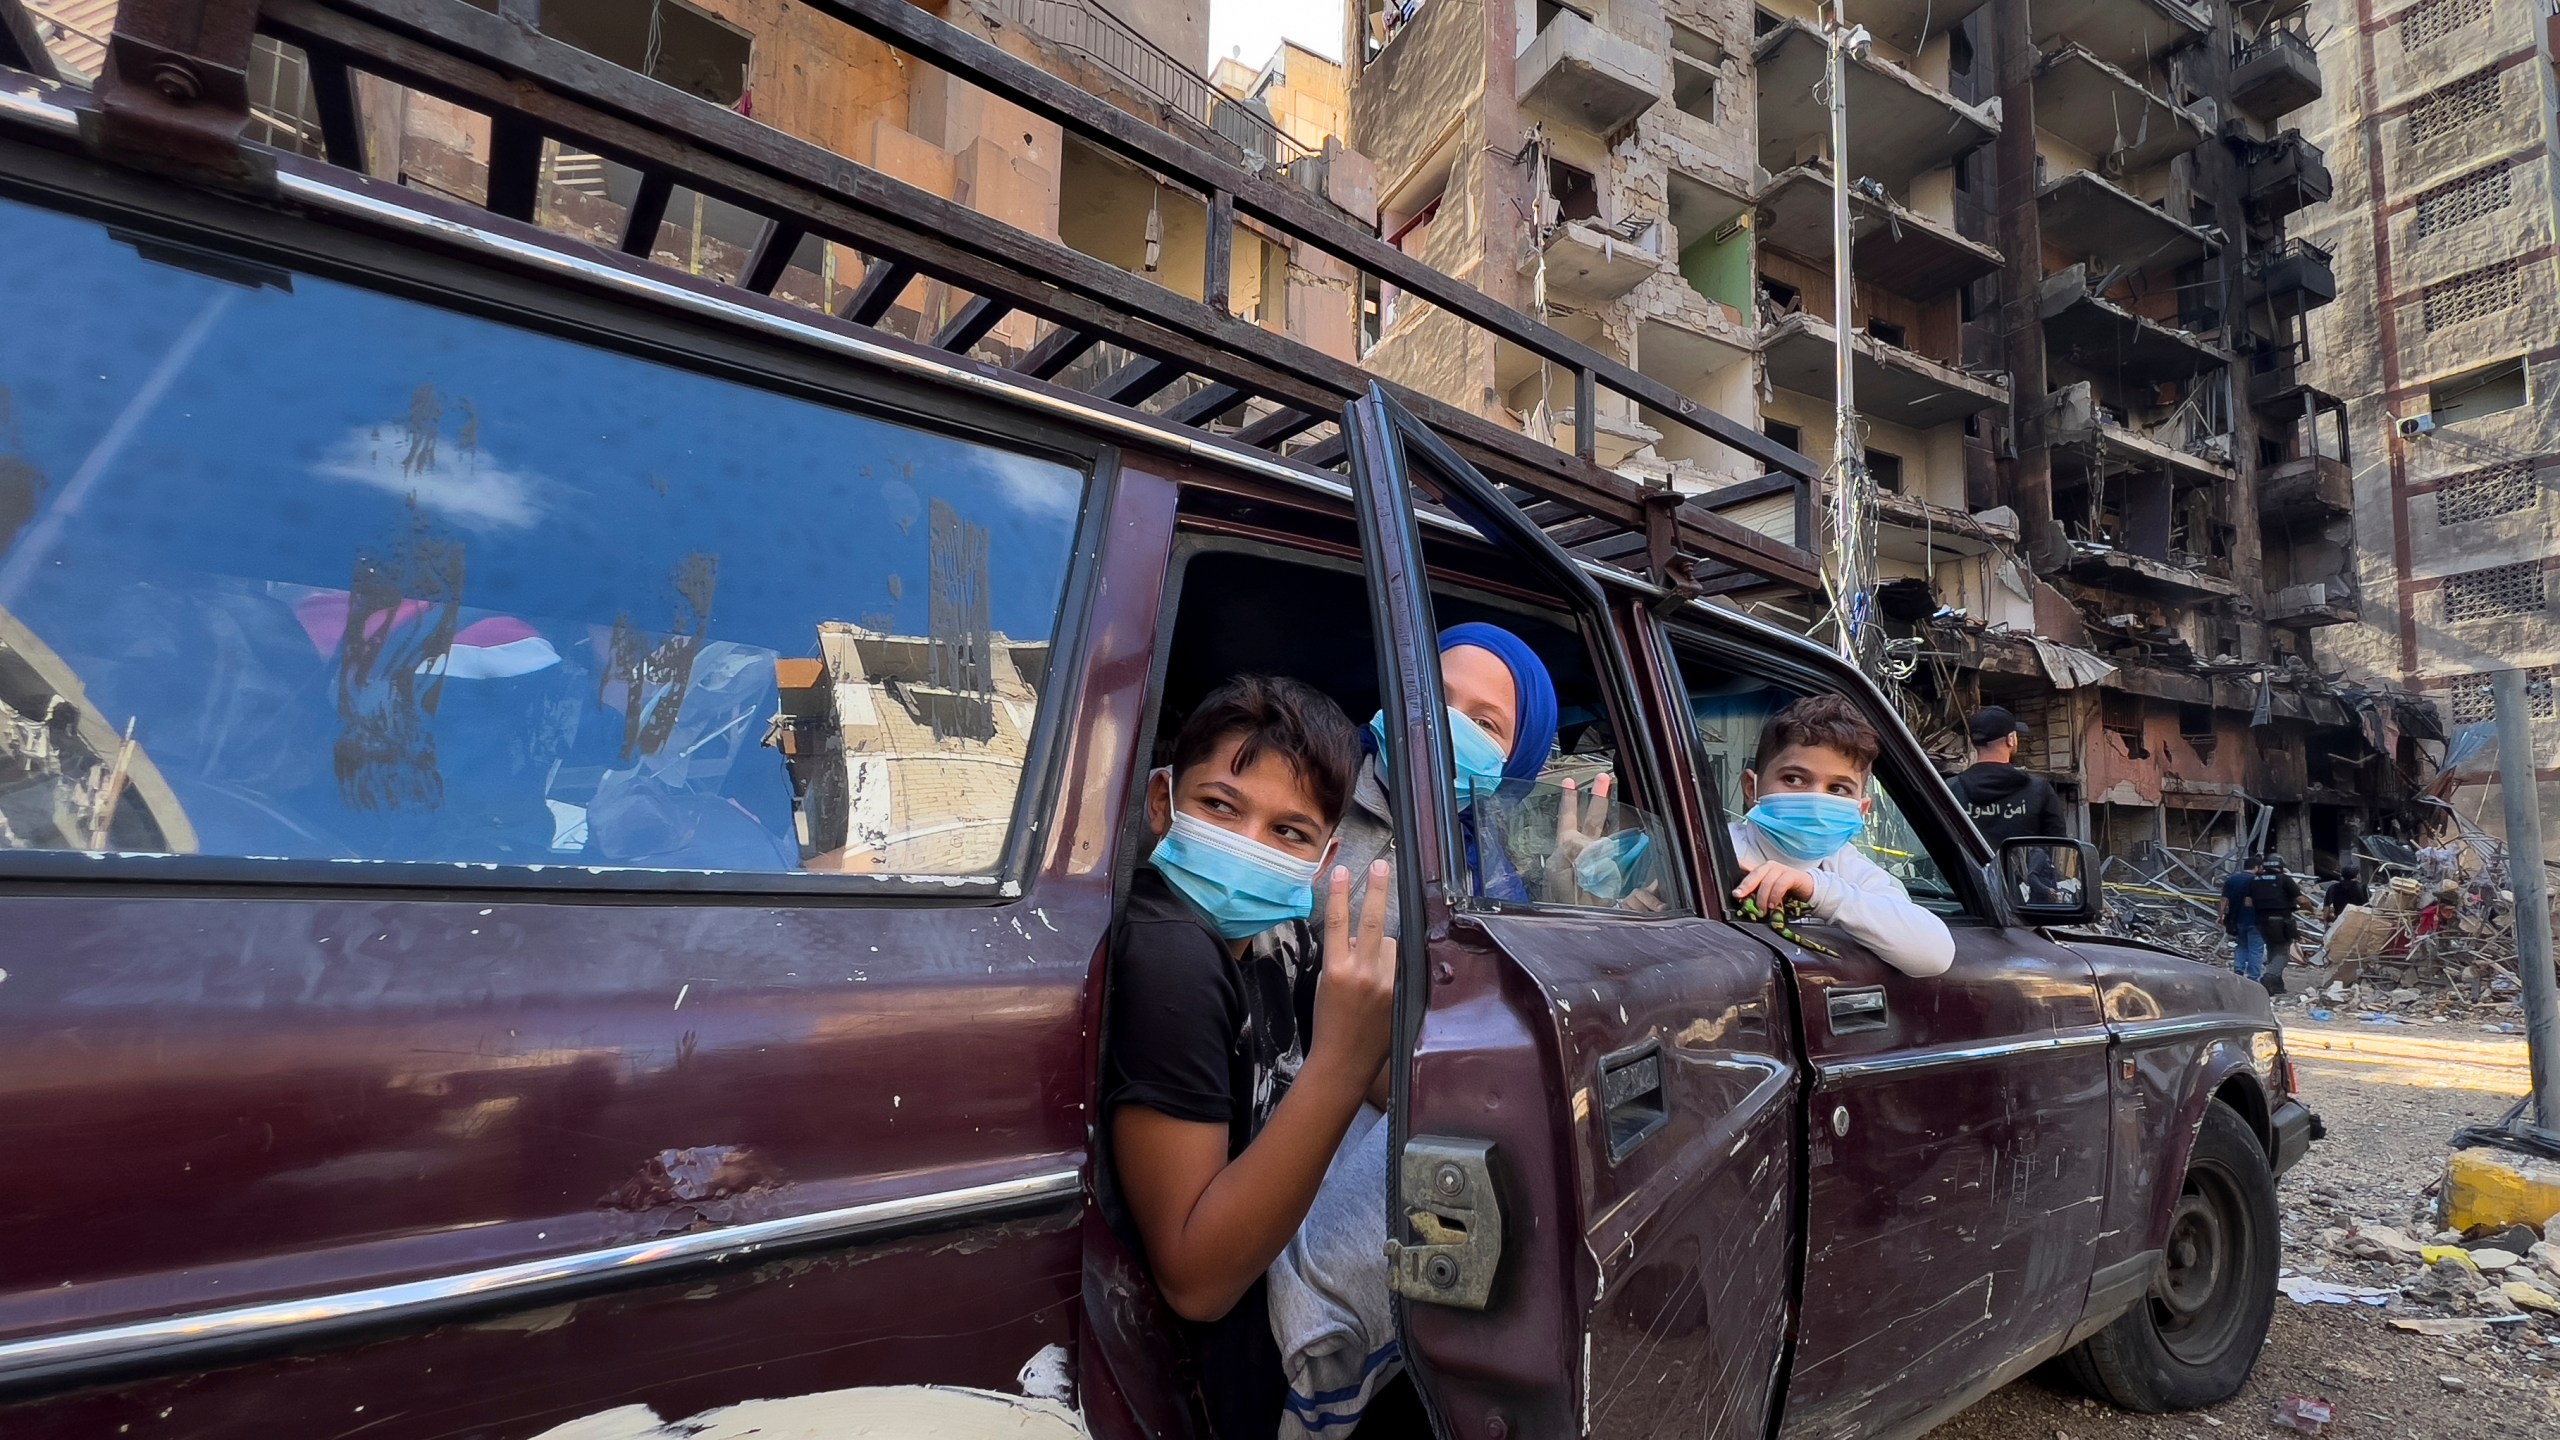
1773 885
1356 991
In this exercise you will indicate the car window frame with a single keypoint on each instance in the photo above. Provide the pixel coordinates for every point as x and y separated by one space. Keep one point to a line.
237 240
1899 765
1195 537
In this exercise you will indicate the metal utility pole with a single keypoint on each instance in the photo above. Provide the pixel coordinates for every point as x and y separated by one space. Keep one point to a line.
1851 510
2525 875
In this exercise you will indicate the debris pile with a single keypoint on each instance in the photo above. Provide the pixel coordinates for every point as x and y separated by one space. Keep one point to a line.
2435 939
2503 1285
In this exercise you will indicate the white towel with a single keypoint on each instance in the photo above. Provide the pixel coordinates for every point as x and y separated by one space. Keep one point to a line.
1330 1310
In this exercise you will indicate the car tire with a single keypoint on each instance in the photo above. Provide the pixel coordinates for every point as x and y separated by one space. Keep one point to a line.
2192 1340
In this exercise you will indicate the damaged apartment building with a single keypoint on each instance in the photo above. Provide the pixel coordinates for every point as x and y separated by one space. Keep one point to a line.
2100 502
2439 126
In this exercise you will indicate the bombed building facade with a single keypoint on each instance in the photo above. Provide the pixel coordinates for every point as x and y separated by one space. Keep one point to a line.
2108 494
2438 120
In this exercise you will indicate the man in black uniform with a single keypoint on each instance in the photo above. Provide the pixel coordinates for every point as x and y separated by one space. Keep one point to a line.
2005 801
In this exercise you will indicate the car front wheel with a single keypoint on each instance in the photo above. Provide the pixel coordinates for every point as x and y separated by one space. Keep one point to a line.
2191 1341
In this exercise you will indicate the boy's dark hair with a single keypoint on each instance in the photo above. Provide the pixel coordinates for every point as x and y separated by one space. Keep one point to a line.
1288 718
1827 721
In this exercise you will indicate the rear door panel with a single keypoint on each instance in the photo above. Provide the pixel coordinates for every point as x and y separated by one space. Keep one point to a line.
247 1095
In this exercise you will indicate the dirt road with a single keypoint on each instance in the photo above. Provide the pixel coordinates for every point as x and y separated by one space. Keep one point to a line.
2390 1095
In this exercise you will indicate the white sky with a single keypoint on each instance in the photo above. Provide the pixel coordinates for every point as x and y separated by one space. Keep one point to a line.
1258 27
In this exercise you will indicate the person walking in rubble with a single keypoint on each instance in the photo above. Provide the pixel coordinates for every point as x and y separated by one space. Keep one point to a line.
2240 921
2005 802
2277 898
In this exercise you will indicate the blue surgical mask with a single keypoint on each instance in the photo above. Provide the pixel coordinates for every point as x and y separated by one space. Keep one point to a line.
1478 756
1244 886
1808 826
1614 866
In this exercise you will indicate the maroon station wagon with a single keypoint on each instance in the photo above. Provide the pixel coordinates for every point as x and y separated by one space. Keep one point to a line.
556 838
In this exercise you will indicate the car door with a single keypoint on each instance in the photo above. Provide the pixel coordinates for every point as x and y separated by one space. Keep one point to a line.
1594 1108
624 949
1957 1152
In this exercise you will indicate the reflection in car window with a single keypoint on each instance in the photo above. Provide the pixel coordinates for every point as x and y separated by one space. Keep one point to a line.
1729 710
294 569
1581 835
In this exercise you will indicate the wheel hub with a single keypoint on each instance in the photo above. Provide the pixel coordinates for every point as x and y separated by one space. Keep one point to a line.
2197 1254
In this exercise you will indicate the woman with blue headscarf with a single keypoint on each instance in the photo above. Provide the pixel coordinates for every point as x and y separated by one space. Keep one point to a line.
1502 725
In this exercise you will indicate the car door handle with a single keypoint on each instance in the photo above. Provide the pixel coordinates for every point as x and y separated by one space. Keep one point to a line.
1633 1103
1859 1008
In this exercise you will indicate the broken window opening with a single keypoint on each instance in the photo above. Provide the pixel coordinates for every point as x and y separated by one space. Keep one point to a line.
2475 393
666 40
1791 436
1573 190
1885 468
2195 726
2121 715
1889 333
1695 63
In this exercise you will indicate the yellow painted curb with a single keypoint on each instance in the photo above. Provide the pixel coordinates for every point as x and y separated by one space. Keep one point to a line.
2498 1188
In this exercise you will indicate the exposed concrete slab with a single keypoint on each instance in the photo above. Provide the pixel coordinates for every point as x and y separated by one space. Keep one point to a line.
1905 24
2312 488
1915 531
2096 332
1899 125
1588 266
2128 34
1890 245
2142 575
2087 215
1684 347
1583 75
2108 113
1893 384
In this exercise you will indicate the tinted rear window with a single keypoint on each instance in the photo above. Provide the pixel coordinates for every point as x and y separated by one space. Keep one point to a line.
300 570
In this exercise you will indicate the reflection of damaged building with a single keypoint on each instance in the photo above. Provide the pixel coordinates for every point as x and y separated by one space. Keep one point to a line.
896 769
2078 314
2440 132
793 69
70 778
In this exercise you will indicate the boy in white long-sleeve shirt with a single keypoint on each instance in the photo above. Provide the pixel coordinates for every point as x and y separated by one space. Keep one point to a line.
1808 792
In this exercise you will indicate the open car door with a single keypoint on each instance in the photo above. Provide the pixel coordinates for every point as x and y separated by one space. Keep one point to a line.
1594 1107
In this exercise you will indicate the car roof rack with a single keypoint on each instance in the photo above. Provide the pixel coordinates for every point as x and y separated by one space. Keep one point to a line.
172 96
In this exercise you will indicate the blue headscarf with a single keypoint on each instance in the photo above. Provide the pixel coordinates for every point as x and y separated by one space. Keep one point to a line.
1534 729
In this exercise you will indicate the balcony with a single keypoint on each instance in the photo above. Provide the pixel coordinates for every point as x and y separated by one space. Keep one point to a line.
2091 441
1920 533
2091 331
2275 74
2180 578
2098 108
2309 490
2280 383
1903 24
2287 174
2128 34
2320 602
1588 265
1894 385
1899 126
1579 74
2292 279
1891 247
2089 217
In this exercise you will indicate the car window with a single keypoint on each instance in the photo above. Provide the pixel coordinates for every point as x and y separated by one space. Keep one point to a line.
293 569
1585 834
1729 709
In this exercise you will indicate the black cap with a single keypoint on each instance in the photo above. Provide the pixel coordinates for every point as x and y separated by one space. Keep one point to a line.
1991 722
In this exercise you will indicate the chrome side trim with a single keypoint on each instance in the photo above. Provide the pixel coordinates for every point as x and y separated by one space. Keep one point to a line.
2138 1031
1911 1060
423 1300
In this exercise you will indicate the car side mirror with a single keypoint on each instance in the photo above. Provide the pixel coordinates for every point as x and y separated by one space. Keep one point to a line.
2051 880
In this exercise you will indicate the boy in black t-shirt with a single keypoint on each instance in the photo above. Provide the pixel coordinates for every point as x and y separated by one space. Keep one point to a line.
1231 1072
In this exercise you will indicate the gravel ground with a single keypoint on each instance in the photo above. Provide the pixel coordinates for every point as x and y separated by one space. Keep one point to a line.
2387 1131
